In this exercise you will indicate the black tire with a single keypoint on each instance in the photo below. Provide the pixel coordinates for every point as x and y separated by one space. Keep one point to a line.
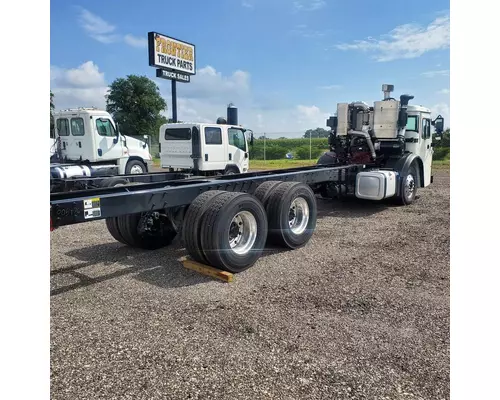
279 212
231 170
114 181
327 158
137 164
217 228
112 225
191 229
408 186
264 191
128 228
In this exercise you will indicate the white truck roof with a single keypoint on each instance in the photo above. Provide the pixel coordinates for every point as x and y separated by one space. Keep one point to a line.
83 110
200 124
416 108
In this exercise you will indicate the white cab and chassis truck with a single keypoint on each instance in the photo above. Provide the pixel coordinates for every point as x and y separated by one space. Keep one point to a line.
376 153
206 149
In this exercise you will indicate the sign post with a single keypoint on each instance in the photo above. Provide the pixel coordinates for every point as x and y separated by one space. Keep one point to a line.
174 59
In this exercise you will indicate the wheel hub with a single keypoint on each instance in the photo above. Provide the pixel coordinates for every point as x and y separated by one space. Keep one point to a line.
136 169
242 232
298 215
409 186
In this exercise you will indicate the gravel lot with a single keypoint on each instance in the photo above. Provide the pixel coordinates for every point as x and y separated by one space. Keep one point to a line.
361 312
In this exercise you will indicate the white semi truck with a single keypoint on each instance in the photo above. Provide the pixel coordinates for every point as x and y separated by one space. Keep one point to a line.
88 140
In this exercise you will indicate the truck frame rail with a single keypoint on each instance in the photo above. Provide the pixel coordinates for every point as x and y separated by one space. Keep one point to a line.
153 193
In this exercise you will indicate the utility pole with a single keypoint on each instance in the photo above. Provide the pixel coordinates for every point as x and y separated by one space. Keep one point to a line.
264 146
310 145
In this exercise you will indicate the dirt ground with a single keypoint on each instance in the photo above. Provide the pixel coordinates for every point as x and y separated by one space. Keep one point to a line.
361 312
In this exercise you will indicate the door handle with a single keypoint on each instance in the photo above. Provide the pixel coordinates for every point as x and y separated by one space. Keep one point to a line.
230 156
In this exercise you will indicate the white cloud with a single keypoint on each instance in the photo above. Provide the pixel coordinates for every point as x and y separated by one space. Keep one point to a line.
85 76
308 5
311 115
406 41
83 86
135 41
97 28
246 4
210 84
444 91
330 87
104 32
432 74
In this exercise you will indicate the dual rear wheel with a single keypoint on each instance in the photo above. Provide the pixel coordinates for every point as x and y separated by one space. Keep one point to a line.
229 230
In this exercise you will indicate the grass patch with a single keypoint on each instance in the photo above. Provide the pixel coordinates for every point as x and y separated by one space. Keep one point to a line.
280 164
285 163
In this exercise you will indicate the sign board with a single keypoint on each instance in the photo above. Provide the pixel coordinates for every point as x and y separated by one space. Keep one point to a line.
176 76
171 54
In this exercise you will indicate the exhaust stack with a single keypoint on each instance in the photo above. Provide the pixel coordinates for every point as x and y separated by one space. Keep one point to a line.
387 89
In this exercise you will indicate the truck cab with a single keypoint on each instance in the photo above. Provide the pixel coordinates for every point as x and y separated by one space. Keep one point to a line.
418 137
204 148
90 136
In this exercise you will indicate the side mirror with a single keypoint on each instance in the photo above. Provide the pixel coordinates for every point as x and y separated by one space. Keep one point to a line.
438 124
249 132
115 140
332 122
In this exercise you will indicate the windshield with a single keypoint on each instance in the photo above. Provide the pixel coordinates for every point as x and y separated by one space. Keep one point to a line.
412 124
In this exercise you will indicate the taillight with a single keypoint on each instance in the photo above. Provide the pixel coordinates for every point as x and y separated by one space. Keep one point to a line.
51 226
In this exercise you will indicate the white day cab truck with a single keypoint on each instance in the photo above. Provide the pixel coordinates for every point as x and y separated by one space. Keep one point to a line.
377 153
88 143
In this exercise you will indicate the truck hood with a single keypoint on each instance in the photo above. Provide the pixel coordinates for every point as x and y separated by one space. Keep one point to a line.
136 146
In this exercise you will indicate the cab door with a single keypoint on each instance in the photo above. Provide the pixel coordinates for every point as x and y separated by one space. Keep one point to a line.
237 149
213 149
426 149
109 146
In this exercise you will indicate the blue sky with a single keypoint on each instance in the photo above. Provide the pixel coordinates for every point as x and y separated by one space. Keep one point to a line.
284 63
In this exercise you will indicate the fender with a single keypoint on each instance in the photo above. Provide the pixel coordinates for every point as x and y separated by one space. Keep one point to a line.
233 167
328 157
402 165
138 159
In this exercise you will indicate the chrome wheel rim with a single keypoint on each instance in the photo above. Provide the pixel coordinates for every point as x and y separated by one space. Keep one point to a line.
136 169
242 232
409 186
298 216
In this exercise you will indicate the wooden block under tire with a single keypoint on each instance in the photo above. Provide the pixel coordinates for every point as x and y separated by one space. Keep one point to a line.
207 270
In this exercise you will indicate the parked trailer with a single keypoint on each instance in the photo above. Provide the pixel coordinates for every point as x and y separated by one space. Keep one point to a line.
225 221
